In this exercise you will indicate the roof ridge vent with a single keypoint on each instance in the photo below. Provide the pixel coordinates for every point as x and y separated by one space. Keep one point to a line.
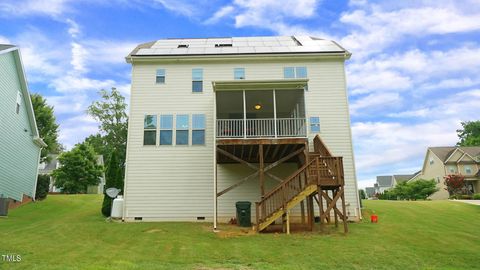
223 45
182 46
296 41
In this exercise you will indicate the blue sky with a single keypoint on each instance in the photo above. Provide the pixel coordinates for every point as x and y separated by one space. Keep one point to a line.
413 76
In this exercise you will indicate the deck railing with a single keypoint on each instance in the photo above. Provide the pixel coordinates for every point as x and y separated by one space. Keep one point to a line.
257 128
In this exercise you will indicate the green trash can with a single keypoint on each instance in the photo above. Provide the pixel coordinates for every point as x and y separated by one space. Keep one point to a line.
244 214
4 206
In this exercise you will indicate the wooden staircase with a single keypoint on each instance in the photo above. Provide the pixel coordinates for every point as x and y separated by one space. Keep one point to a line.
321 173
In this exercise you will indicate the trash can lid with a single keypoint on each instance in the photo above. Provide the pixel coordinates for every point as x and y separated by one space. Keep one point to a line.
243 203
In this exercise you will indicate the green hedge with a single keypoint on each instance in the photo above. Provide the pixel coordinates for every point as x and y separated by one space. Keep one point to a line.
43 182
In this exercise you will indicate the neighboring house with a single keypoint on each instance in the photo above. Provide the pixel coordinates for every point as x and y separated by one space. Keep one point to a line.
384 182
46 168
20 143
442 161
206 115
370 192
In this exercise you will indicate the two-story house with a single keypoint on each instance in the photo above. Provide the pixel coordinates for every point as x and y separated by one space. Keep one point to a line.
20 143
442 161
214 121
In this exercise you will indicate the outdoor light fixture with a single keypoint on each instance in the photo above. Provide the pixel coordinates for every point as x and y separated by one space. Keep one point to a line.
257 106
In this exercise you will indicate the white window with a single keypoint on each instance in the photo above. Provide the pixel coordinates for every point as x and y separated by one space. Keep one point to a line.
315 124
19 102
150 130
294 72
239 73
468 170
197 80
431 161
160 78
182 126
452 169
198 129
166 129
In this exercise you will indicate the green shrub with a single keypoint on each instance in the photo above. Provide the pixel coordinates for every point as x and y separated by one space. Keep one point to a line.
43 183
476 196
466 197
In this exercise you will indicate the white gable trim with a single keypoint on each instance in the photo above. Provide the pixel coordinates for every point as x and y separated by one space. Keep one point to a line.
451 155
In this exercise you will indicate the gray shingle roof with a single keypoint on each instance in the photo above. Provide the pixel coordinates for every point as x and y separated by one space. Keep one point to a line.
444 152
370 191
384 181
402 177
237 45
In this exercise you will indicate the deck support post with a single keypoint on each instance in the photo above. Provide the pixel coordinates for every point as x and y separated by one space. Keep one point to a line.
288 221
345 226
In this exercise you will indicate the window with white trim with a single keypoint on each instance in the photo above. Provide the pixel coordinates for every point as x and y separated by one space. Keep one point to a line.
198 129
315 124
182 127
294 72
197 80
160 77
150 130
166 129
452 169
239 73
468 170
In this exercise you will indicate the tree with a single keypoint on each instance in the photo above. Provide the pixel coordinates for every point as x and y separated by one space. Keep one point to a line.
415 190
470 134
362 194
43 183
421 189
456 184
78 169
47 126
114 178
110 111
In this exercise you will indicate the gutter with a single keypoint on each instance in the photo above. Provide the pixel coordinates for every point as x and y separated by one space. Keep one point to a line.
38 141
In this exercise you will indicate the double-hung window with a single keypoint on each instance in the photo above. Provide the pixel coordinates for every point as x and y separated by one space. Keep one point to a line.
239 74
160 77
182 127
166 129
315 124
294 72
468 170
197 80
198 129
150 130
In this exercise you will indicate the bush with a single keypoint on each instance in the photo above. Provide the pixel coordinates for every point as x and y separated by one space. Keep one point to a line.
476 196
43 183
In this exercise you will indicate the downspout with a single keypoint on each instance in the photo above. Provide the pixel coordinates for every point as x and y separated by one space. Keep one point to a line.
126 151
36 175
215 161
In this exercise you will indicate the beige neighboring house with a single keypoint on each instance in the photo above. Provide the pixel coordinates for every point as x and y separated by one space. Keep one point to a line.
442 161
46 168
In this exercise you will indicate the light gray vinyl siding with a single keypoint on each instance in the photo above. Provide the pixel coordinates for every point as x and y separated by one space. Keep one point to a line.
18 152
176 182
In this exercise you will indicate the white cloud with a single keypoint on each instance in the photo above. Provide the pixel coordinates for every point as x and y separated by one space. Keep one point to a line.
79 55
74 29
219 14
4 40
375 102
181 7
74 83
10 8
378 29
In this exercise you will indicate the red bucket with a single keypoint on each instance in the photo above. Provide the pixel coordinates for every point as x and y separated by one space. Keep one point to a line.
374 218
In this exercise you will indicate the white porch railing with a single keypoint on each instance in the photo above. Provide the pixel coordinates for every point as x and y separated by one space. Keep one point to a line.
254 128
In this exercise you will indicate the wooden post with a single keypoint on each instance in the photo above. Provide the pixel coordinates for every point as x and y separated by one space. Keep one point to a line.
345 226
261 169
310 210
334 193
320 202
288 222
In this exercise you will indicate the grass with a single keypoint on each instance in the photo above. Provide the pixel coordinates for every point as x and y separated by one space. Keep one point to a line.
67 232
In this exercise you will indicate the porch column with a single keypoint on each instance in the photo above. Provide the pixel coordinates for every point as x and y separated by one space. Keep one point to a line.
244 115
275 113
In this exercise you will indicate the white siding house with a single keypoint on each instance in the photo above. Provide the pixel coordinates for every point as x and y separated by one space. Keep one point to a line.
191 96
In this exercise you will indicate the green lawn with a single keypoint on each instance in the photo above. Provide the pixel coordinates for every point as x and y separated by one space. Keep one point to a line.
67 232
